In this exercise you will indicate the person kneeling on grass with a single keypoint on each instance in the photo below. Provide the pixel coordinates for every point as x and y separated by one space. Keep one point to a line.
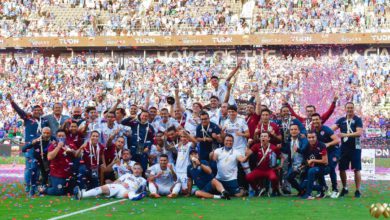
60 156
201 173
163 179
227 160
317 161
131 186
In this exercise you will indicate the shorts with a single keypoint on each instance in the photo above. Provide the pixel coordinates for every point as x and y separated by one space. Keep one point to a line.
231 186
350 157
109 176
117 190
208 188
183 179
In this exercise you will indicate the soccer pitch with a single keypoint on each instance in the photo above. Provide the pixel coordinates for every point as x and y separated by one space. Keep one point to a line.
15 205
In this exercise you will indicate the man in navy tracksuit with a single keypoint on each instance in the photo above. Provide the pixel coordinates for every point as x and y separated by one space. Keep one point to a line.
33 128
39 147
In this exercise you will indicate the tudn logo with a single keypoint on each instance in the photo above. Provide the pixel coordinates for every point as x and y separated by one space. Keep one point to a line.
376 210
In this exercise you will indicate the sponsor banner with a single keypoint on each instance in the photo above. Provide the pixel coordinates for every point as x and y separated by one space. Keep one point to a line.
368 163
373 132
382 153
197 40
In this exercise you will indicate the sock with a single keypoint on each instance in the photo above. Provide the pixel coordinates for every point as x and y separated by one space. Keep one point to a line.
217 197
152 188
176 188
92 193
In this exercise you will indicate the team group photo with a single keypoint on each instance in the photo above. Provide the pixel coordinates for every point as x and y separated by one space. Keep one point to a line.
198 109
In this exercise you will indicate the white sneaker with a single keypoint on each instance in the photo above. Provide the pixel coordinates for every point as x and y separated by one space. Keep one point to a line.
262 190
334 195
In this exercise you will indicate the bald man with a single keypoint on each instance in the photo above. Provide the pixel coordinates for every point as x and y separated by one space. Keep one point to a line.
39 147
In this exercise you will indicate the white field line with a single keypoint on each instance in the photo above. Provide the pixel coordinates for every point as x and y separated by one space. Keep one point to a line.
86 210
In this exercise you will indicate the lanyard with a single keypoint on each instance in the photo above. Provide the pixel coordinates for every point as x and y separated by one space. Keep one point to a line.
264 154
39 129
293 144
92 153
285 125
349 123
269 127
308 124
146 134
118 154
205 131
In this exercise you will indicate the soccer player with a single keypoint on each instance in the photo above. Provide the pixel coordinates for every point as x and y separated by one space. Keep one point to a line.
220 90
193 118
253 115
112 153
326 135
317 160
294 150
163 179
351 128
224 115
161 146
60 155
267 154
207 135
200 173
123 165
214 112
131 186
165 121
186 144
238 128
310 110
227 158
111 127
266 125
91 154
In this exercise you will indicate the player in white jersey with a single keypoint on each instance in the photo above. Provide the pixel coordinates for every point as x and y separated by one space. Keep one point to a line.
183 148
130 186
162 179
238 128
111 127
227 158
160 147
214 112
193 118
220 89
124 165
165 121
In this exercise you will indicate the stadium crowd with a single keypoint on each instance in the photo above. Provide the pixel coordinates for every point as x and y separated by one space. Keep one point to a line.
201 17
175 123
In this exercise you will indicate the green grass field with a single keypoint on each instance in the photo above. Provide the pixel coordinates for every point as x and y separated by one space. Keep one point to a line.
14 205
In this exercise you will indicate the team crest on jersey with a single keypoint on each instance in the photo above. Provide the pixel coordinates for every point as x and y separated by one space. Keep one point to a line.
322 133
210 130
334 159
